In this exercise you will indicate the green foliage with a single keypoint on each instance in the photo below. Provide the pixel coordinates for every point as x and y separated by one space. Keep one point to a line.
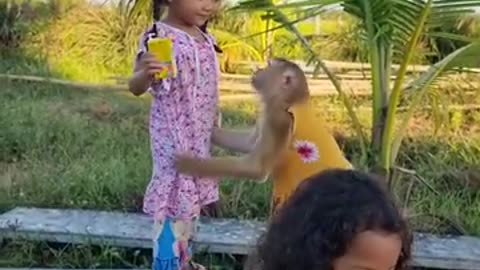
73 35
232 36
102 40
84 42
62 147
466 26
344 43
392 31
15 18
9 28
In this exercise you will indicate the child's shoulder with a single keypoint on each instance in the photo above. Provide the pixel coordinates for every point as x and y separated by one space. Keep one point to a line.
208 34
160 29
211 38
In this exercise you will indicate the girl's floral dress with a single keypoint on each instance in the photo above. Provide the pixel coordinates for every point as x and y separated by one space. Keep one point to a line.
182 117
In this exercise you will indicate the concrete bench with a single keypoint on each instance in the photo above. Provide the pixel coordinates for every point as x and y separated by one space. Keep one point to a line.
227 236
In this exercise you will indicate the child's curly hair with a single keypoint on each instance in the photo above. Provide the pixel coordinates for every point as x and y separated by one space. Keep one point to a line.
322 218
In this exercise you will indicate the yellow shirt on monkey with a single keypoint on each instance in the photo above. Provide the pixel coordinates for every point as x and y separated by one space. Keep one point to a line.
312 149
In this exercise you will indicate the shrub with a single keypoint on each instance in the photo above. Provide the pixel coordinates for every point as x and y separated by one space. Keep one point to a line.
90 42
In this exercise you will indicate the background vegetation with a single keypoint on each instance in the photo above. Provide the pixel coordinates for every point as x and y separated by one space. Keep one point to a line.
67 147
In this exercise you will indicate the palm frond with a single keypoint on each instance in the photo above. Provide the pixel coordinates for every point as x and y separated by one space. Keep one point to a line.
463 57
235 47
387 137
393 20
394 31
140 8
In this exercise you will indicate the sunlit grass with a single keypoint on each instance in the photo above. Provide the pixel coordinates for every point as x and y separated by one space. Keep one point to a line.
83 149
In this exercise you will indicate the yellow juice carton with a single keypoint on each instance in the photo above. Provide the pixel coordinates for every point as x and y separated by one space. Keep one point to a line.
162 49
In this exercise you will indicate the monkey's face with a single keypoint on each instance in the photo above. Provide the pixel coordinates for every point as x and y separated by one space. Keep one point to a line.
281 82
270 79
259 79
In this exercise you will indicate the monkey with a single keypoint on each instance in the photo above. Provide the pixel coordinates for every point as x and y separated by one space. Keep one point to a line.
285 142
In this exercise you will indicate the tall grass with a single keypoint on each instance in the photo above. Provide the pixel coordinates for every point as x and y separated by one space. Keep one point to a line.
100 40
90 149
73 148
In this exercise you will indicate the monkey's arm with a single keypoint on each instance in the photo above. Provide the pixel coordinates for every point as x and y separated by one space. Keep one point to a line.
219 167
235 140
256 165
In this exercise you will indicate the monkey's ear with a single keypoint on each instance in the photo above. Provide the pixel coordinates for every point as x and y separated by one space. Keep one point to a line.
288 77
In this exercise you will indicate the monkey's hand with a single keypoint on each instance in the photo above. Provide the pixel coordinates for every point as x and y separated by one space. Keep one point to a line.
186 164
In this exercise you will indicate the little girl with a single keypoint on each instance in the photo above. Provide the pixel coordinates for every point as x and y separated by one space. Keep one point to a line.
182 117
338 220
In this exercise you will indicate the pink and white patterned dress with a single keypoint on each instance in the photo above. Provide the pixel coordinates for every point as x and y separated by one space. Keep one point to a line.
181 121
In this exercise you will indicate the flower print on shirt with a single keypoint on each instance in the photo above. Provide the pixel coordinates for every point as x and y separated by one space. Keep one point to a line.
308 151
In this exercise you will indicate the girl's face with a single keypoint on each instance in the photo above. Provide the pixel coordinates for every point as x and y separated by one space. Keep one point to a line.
194 12
371 250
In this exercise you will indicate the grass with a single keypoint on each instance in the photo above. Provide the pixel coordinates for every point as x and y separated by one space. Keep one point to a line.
84 149
71 148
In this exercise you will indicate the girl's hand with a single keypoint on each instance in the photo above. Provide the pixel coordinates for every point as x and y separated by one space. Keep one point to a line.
148 65
145 69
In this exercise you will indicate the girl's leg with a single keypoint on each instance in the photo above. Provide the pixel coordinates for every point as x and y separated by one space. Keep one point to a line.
192 265
172 250
164 257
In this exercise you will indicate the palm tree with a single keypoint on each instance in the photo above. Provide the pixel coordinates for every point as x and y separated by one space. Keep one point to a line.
392 30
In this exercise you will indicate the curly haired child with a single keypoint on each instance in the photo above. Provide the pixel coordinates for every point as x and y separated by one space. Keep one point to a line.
183 114
338 220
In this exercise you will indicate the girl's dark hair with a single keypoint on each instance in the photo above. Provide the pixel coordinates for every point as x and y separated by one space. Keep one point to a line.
215 46
157 7
322 218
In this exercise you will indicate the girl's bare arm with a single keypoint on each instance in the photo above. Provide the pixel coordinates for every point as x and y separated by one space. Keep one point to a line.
143 73
139 83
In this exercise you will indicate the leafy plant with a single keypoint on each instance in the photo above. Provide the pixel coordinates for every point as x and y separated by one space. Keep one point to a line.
344 43
230 32
12 23
440 46
392 31
99 39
